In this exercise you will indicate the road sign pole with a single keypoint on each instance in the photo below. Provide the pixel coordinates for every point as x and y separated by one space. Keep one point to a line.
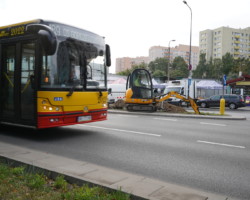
222 100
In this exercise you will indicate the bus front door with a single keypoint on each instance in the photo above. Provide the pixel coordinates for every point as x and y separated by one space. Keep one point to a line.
16 88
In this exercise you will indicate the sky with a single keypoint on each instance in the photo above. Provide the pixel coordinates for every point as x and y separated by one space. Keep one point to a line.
131 27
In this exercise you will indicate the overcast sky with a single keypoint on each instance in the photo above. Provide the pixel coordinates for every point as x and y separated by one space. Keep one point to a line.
131 27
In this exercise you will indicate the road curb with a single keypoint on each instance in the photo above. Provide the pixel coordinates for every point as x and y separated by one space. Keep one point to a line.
193 116
80 172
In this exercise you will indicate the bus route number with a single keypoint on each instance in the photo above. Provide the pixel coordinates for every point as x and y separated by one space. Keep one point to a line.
17 31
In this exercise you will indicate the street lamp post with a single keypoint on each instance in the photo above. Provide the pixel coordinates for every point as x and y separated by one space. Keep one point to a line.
190 50
169 58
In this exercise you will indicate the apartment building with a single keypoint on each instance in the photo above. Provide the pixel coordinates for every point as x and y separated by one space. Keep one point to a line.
181 50
216 43
157 52
184 50
125 63
160 52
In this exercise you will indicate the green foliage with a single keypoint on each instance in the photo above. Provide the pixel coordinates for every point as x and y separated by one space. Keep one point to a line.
227 63
60 183
241 65
16 183
201 68
159 64
216 68
158 73
18 170
124 73
128 71
93 193
36 181
179 68
159 68
210 69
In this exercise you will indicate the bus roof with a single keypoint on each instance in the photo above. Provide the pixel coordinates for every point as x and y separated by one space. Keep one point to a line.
21 23
60 30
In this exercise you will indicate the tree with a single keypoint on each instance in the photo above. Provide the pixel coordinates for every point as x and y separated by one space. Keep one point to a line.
124 73
159 64
201 68
158 73
128 71
241 65
179 68
227 63
217 72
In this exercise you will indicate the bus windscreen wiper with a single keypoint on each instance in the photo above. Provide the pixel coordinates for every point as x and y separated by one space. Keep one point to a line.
71 91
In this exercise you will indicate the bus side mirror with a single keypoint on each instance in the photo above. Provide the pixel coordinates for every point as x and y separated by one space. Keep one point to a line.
108 55
109 90
47 36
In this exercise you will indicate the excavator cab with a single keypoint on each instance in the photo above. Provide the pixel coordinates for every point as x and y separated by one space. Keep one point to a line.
139 93
140 83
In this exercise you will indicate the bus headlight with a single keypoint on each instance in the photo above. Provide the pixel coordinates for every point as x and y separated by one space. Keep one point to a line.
52 108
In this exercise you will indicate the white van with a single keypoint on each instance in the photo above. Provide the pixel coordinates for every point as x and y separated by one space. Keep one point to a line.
117 92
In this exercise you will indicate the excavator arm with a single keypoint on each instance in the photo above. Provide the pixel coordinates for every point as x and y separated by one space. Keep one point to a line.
177 95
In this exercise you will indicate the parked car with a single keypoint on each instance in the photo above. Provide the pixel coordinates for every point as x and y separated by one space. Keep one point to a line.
232 101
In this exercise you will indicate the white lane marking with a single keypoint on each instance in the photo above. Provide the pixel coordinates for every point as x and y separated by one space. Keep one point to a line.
213 124
121 130
166 119
127 116
221 144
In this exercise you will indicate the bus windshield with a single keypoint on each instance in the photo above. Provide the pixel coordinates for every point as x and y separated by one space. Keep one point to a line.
75 64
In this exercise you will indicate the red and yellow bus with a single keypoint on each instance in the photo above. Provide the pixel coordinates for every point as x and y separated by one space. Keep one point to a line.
52 74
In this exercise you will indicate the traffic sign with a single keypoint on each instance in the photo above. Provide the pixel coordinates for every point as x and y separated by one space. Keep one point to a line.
189 81
224 80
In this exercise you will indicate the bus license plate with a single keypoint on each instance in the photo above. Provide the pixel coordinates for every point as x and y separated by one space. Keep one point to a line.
84 118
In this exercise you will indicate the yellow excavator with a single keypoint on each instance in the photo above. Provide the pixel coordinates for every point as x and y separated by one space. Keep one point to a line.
140 93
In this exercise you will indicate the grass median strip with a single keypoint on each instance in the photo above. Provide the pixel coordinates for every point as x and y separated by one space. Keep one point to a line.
16 183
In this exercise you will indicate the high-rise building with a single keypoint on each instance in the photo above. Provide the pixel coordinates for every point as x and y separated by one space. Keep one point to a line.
125 63
184 50
181 50
216 43
157 52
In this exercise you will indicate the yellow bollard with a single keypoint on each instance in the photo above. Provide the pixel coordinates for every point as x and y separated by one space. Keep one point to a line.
222 106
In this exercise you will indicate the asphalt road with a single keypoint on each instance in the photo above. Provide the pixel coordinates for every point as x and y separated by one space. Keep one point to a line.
211 155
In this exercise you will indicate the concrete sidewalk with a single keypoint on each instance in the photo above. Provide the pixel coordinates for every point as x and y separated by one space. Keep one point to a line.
76 171
213 115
